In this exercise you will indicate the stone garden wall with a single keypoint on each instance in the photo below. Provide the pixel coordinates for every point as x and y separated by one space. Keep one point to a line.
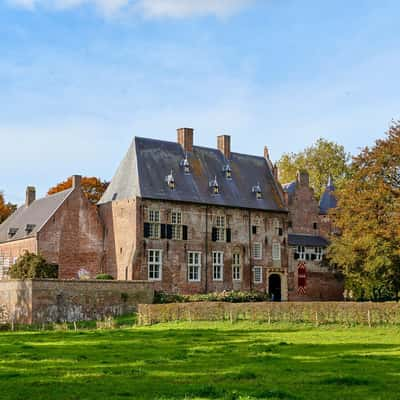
46 301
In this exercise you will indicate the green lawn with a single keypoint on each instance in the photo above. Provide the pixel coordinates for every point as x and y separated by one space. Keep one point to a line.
203 361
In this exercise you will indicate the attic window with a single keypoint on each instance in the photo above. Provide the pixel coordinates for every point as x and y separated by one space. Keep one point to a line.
12 232
227 171
186 165
29 228
257 190
215 186
170 180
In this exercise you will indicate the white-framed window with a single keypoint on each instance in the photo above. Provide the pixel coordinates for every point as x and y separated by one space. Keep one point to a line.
154 223
301 251
220 223
257 251
319 253
218 265
176 222
236 267
154 264
277 226
194 266
276 251
257 275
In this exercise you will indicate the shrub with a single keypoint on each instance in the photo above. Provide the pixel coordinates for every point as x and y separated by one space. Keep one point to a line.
226 296
105 277
33 266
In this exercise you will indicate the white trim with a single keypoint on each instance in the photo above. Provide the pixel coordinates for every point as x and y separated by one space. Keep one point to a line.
220 265
160 265
194 265
261 274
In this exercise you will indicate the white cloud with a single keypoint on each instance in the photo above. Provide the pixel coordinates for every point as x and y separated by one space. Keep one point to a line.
187 8
148 8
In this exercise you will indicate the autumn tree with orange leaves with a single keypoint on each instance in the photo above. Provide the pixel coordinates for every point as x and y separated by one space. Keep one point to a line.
6 209
92 187
368 216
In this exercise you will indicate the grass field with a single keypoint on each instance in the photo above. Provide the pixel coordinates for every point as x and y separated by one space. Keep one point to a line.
202 361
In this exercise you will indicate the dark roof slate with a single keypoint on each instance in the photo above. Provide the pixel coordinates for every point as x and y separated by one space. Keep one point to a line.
307 240
143 171
35 215
328 199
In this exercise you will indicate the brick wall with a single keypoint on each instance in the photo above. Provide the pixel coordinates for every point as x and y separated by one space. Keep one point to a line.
200 219
16 301
44 301
10 251
73 237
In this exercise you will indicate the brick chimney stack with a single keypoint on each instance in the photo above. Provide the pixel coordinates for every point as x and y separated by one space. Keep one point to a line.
30 195
303 179
185 138
266 153
76 181
224 145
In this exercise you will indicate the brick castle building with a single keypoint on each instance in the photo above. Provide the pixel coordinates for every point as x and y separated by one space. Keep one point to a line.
192 220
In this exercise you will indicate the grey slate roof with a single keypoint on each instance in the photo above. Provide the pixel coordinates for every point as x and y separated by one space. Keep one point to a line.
307 240
328 198
143 170
36 215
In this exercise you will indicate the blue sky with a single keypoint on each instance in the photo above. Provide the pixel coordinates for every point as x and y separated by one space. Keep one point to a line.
80 78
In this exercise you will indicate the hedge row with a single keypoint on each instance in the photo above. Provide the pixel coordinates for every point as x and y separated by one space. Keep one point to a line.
227 296
318 313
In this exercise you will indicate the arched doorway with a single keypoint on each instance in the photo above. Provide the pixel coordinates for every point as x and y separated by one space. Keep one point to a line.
274 287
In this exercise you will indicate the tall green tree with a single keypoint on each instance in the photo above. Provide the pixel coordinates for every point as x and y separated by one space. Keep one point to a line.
368 216
320 160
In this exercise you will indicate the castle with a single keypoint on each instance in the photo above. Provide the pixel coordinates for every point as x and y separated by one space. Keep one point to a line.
188 218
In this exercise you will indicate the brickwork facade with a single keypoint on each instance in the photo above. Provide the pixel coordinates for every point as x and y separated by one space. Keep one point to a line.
47 301
73 238
310 278
241 231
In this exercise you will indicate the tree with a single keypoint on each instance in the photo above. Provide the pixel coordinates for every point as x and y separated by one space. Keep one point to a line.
6 209
320 160
33 266
92 187
368 216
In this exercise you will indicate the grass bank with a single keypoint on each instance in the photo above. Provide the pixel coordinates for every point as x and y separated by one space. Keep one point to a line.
202 360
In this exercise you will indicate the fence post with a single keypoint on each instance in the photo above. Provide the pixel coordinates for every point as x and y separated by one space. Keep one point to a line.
369 318
316 318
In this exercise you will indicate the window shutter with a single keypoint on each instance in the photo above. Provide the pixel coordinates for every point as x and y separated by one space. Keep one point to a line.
280 231
146 233
307 256
169 231
163 231
214 234
296 256
184 232
228 235
254 229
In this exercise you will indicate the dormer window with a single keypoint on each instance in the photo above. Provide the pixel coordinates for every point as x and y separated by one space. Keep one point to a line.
29 228
257 190
12 232
186 165
170 180
214 186
227 170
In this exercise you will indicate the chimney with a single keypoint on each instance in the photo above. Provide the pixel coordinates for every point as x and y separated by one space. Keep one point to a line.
224 145
266 153
185 138
30 195
303 178
76 181
275 172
